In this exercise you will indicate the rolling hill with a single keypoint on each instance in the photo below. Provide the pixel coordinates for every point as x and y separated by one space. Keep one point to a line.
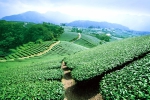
113 70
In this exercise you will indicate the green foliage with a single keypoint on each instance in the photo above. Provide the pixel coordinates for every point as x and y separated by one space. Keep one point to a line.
95 61
103 37
44 90
40 81
66 48
88 41
131 82
45 31
29 49
13 34
39 41
1 52
68 36
62 24
75 29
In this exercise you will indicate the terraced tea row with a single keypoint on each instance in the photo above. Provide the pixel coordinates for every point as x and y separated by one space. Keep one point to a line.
68 36
93 62
132 82
88 41
40 81
66 48
30 50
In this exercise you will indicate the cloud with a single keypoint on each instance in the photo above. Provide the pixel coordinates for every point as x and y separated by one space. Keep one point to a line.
120 6
133 6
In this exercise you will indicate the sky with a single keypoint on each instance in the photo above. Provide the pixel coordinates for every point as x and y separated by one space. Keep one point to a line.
134 14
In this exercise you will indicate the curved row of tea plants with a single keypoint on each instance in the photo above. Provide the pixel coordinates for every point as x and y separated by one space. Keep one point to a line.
132 82
88 41
28 50
91 39
40 81
68 36
95 61
67 48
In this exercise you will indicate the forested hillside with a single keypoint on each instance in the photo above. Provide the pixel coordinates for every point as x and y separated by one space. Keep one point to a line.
13 34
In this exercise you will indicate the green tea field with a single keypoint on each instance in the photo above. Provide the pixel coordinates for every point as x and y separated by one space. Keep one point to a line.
77 66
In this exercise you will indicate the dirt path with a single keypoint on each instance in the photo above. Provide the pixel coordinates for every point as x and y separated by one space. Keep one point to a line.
77 91
67 80
79 36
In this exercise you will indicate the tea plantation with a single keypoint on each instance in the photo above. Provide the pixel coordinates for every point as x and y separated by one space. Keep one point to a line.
93 62
122 67
132 82
67 48
132 54
29 50
40 82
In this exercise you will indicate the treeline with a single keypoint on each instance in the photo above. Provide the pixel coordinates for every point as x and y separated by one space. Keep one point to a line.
75 29
13 34
103 37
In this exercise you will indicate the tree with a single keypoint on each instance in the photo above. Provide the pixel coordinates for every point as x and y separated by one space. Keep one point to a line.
14 34
103 37
75 29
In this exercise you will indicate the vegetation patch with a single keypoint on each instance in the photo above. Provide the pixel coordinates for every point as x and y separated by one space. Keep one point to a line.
14 34
67 48
117 70
88 41
39 81
131 82
30 50
68 35
94 62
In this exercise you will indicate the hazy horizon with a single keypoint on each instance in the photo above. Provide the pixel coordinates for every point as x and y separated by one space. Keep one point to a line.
133 14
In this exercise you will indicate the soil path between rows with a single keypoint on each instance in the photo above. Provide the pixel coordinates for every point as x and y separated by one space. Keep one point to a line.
79 36
77 91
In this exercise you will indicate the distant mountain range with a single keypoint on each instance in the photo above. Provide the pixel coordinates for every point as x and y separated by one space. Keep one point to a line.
86 24
30 16
57 18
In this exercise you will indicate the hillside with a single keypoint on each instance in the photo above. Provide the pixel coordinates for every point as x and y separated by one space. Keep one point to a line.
14 34
107 56
78 66
109 64
86 24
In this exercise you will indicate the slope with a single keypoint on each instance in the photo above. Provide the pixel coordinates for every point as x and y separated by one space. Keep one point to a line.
131 82
93 62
